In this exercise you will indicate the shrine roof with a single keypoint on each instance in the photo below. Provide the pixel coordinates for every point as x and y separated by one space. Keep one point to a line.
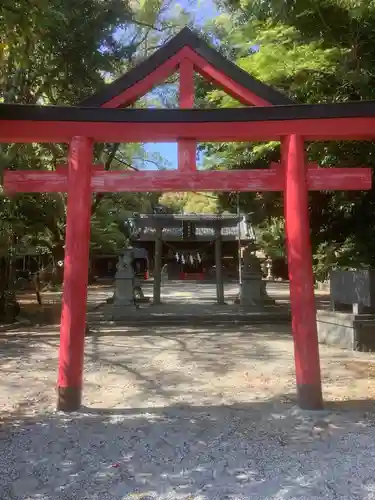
186 38
325 121
231 227
175 220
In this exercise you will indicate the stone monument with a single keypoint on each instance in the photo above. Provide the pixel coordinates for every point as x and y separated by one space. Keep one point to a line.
350 321
253 289
123 298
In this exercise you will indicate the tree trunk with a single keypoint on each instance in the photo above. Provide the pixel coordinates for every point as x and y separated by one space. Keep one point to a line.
4 274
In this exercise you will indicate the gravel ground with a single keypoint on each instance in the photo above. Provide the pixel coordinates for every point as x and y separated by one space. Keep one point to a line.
179 413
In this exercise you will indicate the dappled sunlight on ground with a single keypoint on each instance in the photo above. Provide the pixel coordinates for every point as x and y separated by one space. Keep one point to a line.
183 412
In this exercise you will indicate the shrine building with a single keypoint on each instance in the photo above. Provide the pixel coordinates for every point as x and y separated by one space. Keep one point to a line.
186 244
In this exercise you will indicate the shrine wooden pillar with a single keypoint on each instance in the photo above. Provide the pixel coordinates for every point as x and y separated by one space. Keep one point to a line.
76 264
306 348
156 300
219 266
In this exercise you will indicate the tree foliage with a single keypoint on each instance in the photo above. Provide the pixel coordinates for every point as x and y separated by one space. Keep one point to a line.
190 202
60 52
321 51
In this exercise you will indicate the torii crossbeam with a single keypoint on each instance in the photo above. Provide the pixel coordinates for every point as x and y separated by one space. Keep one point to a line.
116 181
272 116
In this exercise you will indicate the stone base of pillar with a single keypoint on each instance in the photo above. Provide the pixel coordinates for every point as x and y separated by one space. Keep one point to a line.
309 396
69 398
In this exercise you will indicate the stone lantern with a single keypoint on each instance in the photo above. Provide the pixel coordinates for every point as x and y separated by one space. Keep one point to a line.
253 289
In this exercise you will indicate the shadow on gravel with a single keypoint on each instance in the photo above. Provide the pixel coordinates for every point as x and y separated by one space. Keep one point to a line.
109 330
22 341
14 347
263 450
211 350
239 340
265 330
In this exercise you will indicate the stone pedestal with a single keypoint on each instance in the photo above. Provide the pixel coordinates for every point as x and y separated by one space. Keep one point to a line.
173 270
123 298
351 322
253 289
124 280
355 332
158 258
164 274
220 298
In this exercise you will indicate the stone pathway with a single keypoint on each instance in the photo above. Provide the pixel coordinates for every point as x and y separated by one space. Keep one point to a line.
195 302
192 303
191 292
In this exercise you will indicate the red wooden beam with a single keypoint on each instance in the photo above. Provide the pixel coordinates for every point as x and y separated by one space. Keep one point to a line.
336 178
141 88
222 80
339 179
187 155
208 71
187 90
173 181
35 181
187 149
359 128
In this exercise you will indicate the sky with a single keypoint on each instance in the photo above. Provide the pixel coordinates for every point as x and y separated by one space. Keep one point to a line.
203 11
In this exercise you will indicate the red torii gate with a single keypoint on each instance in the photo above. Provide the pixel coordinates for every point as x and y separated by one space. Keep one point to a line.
274 117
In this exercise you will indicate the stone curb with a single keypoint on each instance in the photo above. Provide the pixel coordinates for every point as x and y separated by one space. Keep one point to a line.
283 318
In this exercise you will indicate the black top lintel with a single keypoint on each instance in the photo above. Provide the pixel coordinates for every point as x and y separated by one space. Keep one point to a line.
355 109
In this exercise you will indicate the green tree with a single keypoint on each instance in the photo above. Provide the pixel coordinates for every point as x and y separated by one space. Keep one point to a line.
271 237
190 202
54 52
319 51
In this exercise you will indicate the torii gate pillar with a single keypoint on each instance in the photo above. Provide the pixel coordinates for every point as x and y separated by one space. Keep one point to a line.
77 243
306 347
